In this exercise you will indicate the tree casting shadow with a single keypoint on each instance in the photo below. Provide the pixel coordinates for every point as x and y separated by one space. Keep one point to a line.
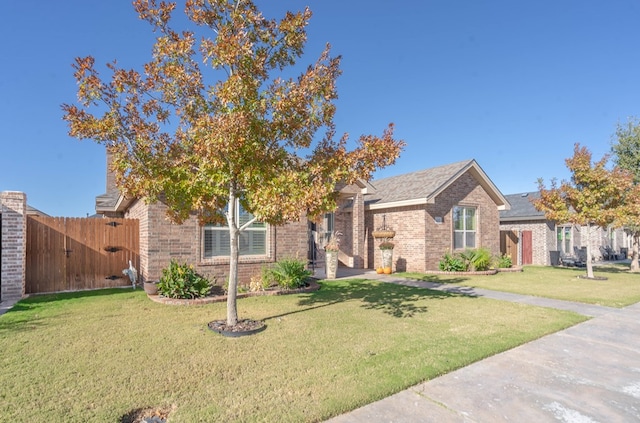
394 300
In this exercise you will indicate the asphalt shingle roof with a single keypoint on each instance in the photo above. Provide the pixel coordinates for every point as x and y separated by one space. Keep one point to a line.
410 186
521 207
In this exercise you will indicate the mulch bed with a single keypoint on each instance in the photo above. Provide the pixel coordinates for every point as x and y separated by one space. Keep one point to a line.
146 415
442 272
221 297
595 278
243 327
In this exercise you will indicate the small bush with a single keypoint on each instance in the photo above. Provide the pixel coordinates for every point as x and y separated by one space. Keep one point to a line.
289 273
450 263
504 262
181 281
478 259
261 282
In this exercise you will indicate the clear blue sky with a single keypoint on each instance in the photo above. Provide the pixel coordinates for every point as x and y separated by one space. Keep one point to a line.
513 84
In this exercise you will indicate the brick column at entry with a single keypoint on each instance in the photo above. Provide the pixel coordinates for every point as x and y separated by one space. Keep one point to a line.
13 244
358 234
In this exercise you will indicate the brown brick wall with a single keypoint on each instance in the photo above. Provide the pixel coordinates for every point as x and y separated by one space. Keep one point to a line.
409 225
161 241
420 240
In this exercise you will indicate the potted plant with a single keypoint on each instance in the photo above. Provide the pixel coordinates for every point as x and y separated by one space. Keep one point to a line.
386 249
331 248
383 232
151 287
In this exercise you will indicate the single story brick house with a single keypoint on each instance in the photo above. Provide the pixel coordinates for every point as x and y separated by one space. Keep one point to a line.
432 211
530 238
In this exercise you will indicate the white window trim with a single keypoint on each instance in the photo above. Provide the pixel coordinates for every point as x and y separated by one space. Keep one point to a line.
225 228
464 231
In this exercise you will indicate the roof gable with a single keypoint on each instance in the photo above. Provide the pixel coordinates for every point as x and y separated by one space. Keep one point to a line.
422 187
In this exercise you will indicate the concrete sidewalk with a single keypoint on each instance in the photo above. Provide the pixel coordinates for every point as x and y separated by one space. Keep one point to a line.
7 304
585 374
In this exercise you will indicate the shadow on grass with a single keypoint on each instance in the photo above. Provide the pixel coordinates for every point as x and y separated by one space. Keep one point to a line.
394 300
23 323
612 268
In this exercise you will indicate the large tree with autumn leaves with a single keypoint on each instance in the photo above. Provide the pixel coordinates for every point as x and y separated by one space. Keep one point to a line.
590 199
213 122
626 154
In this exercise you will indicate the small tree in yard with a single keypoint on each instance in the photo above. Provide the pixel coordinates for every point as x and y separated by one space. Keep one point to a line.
626 153
209 142
590 199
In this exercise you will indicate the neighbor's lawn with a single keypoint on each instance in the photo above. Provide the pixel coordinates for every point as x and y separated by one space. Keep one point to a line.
96 356
619 290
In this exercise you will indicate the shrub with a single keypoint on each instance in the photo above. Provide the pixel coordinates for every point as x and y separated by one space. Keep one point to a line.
289 273
480 259
469 260
181 281
504 261
261 282
450 263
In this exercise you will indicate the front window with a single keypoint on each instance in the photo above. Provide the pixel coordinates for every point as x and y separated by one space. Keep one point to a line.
464 227
253 239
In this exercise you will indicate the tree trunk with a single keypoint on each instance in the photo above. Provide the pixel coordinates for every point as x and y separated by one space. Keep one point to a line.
589 263
232 290
635 249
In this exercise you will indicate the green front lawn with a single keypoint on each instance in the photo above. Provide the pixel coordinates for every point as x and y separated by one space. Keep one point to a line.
619 290
96 356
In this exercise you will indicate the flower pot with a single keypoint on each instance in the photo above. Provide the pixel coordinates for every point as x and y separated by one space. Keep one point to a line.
387 258
151 288
331 264
383 234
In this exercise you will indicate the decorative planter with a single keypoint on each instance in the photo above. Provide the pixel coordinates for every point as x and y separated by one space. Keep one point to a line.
383 234
331 264
151 288
387 258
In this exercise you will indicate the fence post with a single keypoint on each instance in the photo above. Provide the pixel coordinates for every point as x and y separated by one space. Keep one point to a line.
13 244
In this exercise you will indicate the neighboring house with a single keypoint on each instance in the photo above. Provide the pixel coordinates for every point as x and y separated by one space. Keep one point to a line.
530 238
433 211
32 211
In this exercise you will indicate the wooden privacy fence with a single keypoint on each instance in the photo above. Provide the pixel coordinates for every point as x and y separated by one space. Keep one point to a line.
72 254
509 245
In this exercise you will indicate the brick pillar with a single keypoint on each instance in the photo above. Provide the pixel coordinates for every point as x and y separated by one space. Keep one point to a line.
111 177
358 234
14 244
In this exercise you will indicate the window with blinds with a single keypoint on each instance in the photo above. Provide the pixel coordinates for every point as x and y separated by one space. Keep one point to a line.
253 239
